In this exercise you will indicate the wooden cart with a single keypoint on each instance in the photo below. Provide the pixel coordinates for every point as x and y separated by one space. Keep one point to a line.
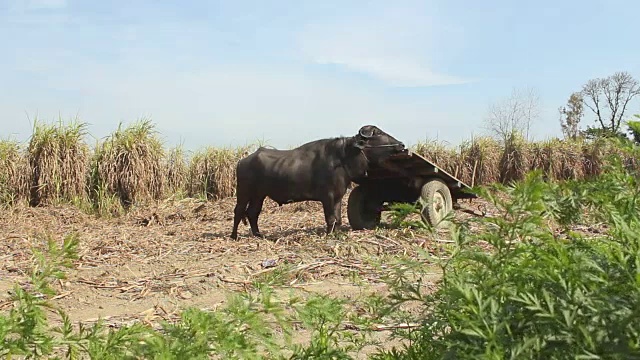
405 177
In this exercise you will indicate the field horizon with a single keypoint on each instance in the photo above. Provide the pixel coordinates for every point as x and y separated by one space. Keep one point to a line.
132 165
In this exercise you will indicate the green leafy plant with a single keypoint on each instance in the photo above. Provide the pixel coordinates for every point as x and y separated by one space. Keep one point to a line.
634 128
541 291
24 330
251 325
402 215
325 317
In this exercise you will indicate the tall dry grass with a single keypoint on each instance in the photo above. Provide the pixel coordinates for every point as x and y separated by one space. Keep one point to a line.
58 161
131 166
516 159
594 156
438 153
484 160
212 172
559 160
128 165
480 159
176 172
14 171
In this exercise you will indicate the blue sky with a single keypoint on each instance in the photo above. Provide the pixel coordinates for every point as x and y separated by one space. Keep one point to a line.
231 72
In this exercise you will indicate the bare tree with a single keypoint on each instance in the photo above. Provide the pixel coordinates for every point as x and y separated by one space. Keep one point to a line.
571 114
608 98
514 114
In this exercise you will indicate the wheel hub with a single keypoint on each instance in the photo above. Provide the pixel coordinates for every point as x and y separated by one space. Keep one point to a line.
438 203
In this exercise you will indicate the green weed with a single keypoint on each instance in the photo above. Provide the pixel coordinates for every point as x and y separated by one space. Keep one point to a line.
541 291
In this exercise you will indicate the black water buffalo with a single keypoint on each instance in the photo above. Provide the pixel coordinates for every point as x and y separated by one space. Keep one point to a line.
320 170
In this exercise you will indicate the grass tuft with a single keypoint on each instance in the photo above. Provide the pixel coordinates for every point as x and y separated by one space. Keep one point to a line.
212 172
58 162
438 153
481 161
516 159
128 165
14 169
176 172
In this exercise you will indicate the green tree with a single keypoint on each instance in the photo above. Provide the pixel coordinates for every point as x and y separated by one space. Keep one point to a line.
571 114
634 128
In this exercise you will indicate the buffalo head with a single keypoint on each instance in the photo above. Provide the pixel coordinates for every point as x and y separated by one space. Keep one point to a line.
377 144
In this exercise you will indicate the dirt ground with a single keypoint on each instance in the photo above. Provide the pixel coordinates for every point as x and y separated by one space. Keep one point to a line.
155 261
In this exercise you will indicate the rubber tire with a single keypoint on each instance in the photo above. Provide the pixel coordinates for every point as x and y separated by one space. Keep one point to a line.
438 203
361 210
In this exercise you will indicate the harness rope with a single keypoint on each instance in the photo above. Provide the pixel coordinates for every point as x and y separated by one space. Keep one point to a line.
367 146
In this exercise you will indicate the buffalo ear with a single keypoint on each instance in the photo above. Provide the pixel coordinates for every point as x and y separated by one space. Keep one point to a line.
360 144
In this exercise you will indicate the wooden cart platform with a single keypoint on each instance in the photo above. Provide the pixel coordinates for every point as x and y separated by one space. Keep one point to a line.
405 177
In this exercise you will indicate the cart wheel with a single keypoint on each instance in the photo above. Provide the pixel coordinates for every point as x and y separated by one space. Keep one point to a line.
437 202
362 210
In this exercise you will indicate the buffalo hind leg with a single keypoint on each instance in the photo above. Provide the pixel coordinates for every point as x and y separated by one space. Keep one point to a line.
239 214
253 212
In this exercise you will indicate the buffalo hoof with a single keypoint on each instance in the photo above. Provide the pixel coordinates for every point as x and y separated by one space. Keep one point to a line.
259 235
234 236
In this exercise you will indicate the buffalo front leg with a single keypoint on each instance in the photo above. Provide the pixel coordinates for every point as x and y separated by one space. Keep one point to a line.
253 212
329 215
337 213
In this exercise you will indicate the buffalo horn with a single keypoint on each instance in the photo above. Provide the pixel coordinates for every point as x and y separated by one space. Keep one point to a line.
370 133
